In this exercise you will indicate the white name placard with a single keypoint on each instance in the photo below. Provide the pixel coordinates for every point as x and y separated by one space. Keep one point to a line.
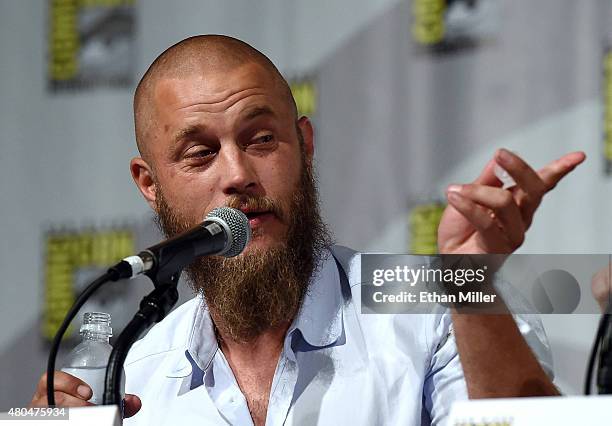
558 411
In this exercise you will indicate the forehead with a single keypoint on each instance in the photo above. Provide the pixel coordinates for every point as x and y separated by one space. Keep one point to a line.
218 91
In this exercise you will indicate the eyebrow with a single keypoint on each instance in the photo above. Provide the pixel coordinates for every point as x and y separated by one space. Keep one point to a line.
183 136
188 132
258 111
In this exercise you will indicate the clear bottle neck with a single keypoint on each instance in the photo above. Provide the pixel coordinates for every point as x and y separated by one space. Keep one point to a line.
96 337
96 327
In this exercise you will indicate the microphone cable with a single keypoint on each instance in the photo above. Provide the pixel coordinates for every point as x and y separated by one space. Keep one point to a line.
113 274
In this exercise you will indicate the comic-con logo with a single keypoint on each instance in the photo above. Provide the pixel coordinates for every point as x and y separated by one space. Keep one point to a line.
448 25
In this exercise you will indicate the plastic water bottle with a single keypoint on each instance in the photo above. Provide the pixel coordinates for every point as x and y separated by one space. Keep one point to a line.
88 359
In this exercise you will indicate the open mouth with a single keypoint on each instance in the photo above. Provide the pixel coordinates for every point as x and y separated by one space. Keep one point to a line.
253 215
257 218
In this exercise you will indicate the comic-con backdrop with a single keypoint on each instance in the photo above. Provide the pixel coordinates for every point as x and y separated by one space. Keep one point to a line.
406 97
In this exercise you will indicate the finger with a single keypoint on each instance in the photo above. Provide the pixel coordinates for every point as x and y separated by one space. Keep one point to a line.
132 405
502 203
520 171
478 216
487 176
530 187
67 383
63 399
555 171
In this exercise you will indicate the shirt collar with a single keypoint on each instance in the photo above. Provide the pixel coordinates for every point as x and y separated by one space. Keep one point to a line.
200 346
318 324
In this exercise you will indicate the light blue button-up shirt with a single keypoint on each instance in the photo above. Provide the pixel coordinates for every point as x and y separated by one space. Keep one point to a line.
337 366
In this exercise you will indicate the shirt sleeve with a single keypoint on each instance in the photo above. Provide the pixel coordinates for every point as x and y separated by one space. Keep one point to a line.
445 382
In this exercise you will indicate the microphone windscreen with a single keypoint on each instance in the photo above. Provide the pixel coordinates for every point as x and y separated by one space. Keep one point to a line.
239 228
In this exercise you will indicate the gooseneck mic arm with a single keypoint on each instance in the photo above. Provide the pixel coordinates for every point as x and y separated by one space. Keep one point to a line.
225 232
153 308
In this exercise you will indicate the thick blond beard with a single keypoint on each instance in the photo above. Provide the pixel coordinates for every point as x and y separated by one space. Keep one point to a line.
259 290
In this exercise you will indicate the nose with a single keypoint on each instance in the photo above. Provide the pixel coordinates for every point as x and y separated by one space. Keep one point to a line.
238 175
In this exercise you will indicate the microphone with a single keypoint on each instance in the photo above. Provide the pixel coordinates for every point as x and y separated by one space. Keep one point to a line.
225 231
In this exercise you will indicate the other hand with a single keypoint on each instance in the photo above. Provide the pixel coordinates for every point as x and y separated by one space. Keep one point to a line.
70 391
600 287
482 217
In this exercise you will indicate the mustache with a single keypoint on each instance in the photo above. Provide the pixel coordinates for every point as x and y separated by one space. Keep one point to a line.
256 203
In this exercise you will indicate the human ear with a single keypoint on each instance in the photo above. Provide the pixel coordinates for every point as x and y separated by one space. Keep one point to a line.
307 130
143 177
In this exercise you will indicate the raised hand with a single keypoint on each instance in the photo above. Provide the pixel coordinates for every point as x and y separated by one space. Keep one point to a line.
484 218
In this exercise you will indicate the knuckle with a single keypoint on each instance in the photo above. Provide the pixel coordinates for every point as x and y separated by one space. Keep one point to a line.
37 401
530 202
526 201
467 188
507 199
537 196
541 187
489 225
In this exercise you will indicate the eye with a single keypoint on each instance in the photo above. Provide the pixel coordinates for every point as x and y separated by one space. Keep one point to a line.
267 138
199 153
263 140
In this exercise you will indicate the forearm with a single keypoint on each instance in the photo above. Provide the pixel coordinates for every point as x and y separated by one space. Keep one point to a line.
496 360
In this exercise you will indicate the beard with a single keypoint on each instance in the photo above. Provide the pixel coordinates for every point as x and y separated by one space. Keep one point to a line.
262 289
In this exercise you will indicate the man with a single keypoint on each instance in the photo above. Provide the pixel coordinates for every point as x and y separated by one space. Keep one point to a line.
600 287
275 335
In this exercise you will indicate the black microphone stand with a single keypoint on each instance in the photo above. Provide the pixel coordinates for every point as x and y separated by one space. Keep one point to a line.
601 347
153 308
604 369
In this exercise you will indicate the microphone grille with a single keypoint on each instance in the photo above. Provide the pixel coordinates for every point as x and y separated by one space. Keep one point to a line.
239 228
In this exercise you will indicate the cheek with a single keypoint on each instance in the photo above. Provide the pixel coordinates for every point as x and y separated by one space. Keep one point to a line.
189 195
280 179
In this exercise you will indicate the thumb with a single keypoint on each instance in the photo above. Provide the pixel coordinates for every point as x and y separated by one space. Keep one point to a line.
555 171
131 405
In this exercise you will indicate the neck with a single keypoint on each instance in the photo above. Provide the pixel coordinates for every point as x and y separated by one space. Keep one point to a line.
254 363
268 342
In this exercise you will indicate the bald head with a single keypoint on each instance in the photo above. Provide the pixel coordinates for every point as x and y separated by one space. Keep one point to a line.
201 55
